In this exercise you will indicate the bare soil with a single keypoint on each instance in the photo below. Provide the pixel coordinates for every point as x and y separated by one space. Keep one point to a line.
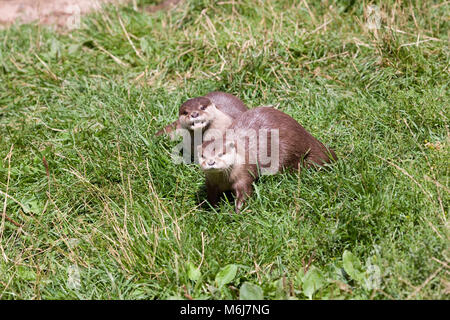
62 13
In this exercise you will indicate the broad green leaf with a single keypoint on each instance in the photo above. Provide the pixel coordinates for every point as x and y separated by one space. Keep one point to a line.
175 298
193 272
55 48
280 293
145 46
352 266
33 206
299 277
73 277
26 273
226 275
250 291
312 281
138 293
73 49
372 277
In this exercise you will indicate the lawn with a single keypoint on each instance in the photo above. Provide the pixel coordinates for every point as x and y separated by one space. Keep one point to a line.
93 207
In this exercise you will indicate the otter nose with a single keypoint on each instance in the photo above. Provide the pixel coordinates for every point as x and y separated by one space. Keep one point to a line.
211 162
194 114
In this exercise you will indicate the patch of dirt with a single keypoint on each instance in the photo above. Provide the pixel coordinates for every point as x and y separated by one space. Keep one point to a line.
62 13
165 5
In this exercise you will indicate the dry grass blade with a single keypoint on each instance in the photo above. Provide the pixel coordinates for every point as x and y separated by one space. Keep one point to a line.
4 215
419 288
50 72
129 39
427 193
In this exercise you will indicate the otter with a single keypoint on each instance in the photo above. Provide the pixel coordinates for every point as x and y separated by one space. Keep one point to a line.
216 110
227 163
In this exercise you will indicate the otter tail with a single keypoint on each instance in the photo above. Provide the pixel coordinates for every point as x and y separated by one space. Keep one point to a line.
320 157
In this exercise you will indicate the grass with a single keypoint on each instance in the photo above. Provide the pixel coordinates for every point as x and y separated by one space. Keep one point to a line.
108 206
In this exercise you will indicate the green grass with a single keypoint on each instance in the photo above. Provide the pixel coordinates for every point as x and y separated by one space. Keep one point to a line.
116 207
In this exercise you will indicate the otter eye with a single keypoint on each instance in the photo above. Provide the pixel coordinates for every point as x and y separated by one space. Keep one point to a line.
202 107
184 113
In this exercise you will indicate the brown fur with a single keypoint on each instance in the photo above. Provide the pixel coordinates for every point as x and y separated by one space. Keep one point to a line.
297 148
231 107
227 103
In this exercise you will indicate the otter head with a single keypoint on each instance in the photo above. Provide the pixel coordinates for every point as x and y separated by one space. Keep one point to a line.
217 155
197 113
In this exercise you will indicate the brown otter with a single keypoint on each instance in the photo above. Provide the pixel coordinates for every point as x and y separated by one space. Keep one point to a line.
216 110
235 161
